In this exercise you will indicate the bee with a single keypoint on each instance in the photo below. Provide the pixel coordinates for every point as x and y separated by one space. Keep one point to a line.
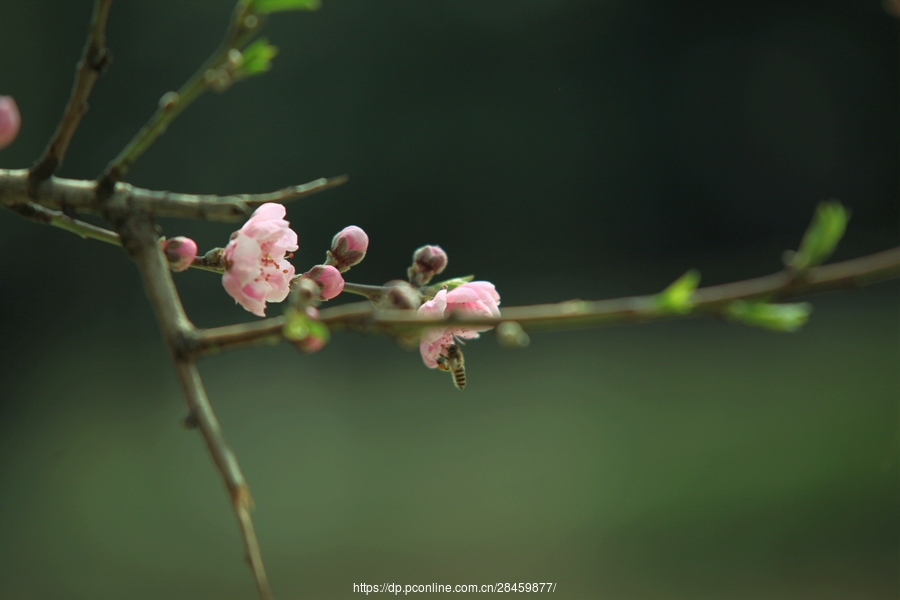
454 362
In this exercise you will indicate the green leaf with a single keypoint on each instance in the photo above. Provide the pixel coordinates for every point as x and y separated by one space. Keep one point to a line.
257 59
434 288
269 6
777 317
320 331
308 335
822 236
678 297
297 327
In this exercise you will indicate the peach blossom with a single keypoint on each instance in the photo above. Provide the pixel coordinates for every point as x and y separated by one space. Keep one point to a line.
256 270
474 298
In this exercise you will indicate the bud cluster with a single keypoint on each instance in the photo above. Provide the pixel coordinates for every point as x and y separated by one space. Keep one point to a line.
256 271
348 248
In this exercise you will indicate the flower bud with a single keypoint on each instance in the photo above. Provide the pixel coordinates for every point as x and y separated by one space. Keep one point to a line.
401 296
304 292
215 258
328 279
311 343
10 120
180 252
348 248
428 261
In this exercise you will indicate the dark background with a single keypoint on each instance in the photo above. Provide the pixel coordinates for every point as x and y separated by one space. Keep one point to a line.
558 148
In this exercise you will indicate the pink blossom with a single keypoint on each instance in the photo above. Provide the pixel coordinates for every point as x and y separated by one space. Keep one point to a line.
348 248
180 252
256 271
477 298
329 280
10 121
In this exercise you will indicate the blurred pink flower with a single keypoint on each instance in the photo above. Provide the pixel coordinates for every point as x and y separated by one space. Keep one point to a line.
348 248
256 271
329 280
473 298
180 252
10 121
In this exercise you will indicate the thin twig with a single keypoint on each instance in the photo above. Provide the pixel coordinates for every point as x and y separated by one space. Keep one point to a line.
140 239
45 216
94 59
78 195
241 30
372 292
39 214
363 318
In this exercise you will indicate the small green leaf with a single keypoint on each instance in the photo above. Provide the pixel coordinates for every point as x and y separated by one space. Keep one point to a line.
297 327
434 288
678 297
308 335
822 236
319 331
257 59
270 6
777 317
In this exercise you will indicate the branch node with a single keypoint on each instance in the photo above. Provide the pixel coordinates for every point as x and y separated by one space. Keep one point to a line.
190 421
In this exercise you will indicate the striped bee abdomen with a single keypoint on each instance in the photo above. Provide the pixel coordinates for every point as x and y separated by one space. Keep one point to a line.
459 377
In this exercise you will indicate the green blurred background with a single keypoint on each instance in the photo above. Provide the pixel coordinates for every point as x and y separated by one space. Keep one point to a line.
559 148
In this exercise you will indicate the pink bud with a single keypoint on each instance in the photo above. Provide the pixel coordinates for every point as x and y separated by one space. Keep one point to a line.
348 248
428 261
329 279
180 252
10 120
311 344
356 238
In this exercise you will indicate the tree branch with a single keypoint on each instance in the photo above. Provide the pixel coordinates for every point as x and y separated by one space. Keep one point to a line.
140 239
710 301
94 59
59 193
